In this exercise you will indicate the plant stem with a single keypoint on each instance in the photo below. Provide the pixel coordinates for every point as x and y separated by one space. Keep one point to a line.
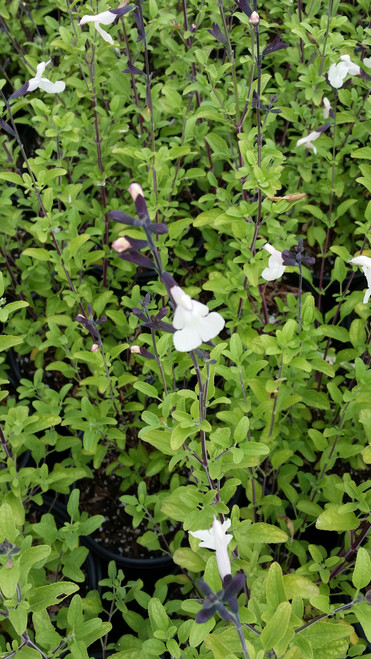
329 225
300 295
238 627
259 143
231 60
158 361
202 409
329 16
98 141
5 444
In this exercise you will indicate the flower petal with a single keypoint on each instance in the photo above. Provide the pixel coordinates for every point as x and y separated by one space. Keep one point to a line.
206 536
107 37
187 339
210 326
353 69
52 87
362 260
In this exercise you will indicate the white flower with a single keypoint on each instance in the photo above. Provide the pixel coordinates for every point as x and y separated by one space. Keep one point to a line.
309 139
38 82
275 267
216 538
105 18
193 322
367 62
326 107
365 263
353 69
337 74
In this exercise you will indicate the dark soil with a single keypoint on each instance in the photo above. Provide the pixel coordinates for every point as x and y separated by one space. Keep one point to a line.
101 496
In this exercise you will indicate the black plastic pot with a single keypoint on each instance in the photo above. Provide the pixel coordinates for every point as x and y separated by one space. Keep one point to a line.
147 569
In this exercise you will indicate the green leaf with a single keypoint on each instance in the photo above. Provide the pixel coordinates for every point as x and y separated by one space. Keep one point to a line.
7 341
295 584
146 389
323 633
262 533
157 615
12 177
241 430
362 611
189 560
364 152
37 253
316 399
362 571
76 244
18 616
53 593
179 435
158 438
9 578
309 507
33 556
200 631
276 627
274 588
333 332
42 422
335 519
8 530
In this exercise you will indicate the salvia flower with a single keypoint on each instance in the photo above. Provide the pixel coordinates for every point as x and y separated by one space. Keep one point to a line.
38 82
309 139
192 321
338 72
105 18
275 268
217 539
365 263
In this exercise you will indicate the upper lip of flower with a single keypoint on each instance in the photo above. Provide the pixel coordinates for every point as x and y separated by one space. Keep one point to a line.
105 18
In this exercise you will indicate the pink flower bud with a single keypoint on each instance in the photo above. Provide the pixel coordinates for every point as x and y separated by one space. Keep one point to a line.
94 348
121 244
135 350
135 189
254 18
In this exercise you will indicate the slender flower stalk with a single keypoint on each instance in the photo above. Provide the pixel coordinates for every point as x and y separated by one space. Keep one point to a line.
329 222
202 412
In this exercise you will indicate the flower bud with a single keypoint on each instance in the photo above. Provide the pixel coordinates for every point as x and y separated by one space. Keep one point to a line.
135 189
138 350
121 244
94 348
254 18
